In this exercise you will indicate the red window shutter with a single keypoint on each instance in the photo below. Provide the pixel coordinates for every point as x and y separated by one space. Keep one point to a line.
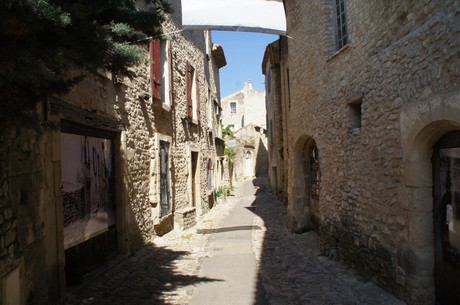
155 68
189 90
197 98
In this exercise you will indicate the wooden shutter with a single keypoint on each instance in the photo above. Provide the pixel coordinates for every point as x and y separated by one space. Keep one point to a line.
189 90
197 97
155 68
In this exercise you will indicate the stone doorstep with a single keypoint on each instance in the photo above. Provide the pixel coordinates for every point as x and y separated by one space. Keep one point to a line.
185 218
164 225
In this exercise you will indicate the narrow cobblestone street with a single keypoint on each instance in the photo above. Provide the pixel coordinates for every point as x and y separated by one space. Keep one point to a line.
291 269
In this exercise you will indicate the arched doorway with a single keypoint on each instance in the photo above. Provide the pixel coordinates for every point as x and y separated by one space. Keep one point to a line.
446 210
248 165
311 178
303 207
417 197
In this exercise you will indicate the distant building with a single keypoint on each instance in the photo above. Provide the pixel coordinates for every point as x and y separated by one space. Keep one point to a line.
244 112
244 107
250 147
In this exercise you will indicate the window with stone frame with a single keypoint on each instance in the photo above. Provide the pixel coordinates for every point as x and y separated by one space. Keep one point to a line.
193 97
341 26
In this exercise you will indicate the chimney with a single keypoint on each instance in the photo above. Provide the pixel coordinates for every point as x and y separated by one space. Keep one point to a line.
248 85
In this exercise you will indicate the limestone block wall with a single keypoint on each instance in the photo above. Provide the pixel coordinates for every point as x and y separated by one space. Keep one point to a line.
401 66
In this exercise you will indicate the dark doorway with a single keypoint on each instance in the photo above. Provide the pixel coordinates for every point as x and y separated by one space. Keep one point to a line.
165 197
194 177
311 178
87 185
446 193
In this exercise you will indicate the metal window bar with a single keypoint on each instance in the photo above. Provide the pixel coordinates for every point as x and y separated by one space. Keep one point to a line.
341 24
314 172
165 197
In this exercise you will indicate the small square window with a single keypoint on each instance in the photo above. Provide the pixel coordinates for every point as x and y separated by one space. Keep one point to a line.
355 114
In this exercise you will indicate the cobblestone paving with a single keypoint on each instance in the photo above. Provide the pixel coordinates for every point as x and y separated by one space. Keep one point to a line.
162 273
291 269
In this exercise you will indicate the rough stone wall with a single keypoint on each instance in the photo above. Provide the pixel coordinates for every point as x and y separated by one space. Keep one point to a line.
192 46
271 69
250 108
29 179
402 55
31 217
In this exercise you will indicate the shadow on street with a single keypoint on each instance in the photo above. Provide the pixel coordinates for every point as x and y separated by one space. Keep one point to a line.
292 268
227 229
142 279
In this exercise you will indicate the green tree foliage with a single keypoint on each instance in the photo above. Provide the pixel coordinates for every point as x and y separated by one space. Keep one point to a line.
40 40
228 132
230 154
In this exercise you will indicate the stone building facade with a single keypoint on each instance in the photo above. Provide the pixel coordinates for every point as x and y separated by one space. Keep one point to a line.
275 119
370 96
108 166
244 107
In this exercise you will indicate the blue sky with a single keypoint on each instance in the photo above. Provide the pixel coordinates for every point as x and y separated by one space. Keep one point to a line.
244 53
